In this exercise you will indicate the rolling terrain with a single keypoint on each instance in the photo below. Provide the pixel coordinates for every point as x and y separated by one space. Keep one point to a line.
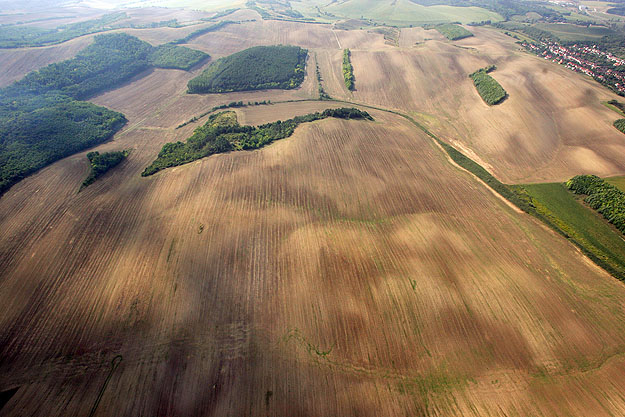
547 141
351 269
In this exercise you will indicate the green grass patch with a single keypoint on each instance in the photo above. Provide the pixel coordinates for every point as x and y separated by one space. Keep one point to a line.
453 32
559 208
101 163
348 70
257 68
487 87
222 133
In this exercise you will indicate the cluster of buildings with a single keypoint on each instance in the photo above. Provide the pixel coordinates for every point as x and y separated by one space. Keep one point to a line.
588 60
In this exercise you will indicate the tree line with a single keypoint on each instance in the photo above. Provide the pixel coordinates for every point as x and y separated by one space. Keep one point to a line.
348 70
222 133
14 36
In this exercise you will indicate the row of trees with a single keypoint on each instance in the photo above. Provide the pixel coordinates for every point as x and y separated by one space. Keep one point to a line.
14 36
489 89
257 68
200 32
222 133
620 125
601 196
348 70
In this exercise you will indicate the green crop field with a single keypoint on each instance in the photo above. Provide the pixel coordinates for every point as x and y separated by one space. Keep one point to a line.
567 32
405 12
580 223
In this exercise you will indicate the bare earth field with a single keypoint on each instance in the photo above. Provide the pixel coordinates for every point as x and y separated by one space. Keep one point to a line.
348 270
552 126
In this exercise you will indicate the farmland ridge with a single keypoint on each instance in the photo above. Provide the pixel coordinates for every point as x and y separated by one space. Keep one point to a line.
297 208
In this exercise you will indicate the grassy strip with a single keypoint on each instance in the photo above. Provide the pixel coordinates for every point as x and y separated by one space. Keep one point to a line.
608 259
560 210
489 89
348 70
453 32
577 231
615 106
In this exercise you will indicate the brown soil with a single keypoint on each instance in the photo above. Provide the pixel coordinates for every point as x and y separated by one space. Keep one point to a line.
347 270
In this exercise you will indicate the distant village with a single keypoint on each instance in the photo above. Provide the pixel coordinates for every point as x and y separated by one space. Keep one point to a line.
590 60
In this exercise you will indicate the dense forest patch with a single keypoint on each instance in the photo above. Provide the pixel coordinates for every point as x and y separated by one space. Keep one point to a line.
488 88
101 163
41 119
55 128
348 70
620 125
176 57
453 32
257 68
223 133
108 61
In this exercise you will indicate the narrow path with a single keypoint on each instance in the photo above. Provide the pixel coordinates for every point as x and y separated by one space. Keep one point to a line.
337 39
